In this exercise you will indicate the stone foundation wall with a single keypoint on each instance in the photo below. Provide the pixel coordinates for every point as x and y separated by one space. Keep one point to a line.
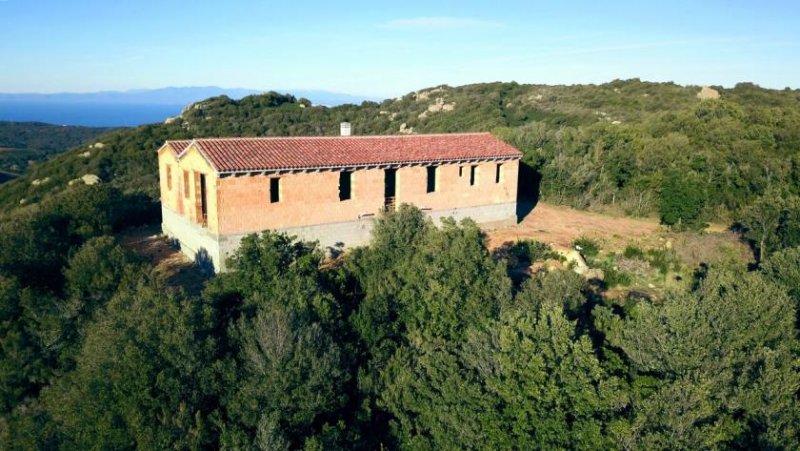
193 239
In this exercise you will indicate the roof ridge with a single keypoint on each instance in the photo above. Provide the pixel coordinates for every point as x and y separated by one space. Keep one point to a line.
254 138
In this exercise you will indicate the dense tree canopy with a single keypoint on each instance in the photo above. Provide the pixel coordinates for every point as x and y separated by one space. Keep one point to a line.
419 341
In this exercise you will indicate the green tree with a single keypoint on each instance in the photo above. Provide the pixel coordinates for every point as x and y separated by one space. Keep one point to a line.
783 268
284 359
766 216
290 379
725 356
682 200
140 376
92 276
526 380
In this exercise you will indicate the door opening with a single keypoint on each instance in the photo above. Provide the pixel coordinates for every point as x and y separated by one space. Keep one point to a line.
203 201
389 188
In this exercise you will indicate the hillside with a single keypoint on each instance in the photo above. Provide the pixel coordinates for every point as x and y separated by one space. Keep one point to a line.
24 143
131 108
429 337
616 145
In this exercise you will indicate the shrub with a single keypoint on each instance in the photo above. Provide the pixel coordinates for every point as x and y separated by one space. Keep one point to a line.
532 250
613 275
682 201
525 252
632 251
660 259
588 247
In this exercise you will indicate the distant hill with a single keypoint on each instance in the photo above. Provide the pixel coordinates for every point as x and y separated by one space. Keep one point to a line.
130 108
23 143
623 144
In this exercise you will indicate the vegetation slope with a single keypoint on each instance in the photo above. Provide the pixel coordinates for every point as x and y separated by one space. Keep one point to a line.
22 143
422 340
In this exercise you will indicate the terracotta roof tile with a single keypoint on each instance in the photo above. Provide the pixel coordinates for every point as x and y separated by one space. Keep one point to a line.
179 145
253 154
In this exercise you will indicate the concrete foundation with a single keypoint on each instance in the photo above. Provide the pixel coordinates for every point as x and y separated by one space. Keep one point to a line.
198 243
206 247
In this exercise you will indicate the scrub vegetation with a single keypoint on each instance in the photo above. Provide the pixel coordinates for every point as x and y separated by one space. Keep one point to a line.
426 338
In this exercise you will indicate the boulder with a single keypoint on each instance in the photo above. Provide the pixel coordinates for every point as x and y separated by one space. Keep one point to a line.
707 93
90 179
577 261
594 274
405 129
440 105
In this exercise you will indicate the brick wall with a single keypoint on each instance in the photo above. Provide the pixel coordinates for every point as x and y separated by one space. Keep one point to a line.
244 205
184 199
241 204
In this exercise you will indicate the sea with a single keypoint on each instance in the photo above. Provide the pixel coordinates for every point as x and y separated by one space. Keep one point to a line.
87 114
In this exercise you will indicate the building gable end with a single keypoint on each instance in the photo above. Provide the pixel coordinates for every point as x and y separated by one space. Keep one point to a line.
195 146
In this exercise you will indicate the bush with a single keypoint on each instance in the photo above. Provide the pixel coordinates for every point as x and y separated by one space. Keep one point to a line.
614 276
683 200
588 247
525 252
661 259
632 251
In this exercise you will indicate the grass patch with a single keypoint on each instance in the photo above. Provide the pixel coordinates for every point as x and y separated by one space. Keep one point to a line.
613 276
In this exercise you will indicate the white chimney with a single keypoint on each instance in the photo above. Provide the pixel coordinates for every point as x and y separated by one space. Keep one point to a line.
344 129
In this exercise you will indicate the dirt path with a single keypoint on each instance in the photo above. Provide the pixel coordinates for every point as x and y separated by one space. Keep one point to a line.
558 226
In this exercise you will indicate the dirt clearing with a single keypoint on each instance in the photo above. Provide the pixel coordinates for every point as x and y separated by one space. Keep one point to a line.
560 226
149 244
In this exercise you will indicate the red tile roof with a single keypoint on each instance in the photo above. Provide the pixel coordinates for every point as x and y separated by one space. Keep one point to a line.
180 145
256 154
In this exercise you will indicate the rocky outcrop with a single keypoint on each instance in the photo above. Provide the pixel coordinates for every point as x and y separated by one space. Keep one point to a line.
576 260
438 106
86 179
405 129
707 93
425 95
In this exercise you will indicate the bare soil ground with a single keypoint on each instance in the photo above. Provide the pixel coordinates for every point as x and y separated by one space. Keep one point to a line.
559 226
177 268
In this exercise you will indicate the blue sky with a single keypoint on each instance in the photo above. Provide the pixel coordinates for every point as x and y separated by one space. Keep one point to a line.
385 50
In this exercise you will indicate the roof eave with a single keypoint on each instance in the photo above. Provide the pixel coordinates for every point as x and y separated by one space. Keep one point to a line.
369 165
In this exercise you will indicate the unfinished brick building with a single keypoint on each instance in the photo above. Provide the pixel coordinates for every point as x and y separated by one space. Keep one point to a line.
215 191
